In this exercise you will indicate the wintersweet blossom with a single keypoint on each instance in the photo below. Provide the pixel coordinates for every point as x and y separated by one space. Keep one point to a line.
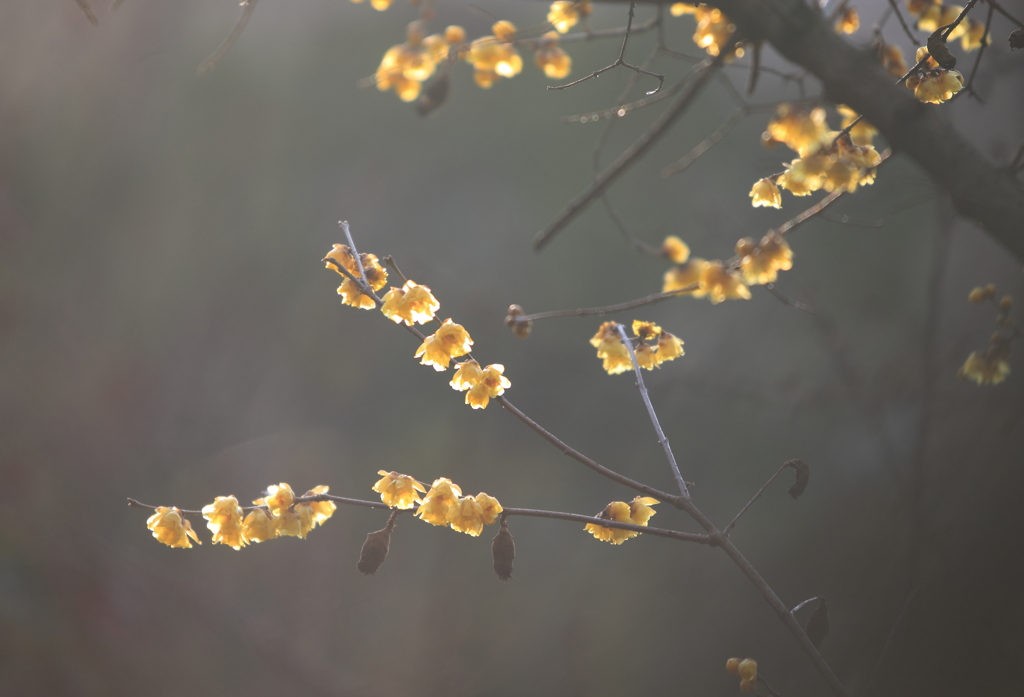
550 57
618 511
763 263
294 523
172 528
259 526
225 521
675 250
467 374
443 494
862 133
399 490
466 515
412 303
801 129
565 14
495 56
989 368
490 509
640 510
685 275
720 284
321 510
449 341
491 384
669 347
278 498
765 192
610 348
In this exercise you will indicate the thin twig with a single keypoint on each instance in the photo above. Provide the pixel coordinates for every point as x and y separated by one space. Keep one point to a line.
730 526
652 298
945 35
658 532
705 145
86 9
797 607
1004 13
892 633
248 6
985 40
903 23
669 455
631 154
637 243
115 4
343 224
785 299
618 61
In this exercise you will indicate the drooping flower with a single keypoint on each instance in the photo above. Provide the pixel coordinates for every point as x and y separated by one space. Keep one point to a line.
801 129
763 263
294 522
550 57
352 295
467 374
225 521
989 368
640 510
342 255
610 347
321 510
675 250
412 303
891 58
279 497
443 495
669 347
449 341
399 490
172 528
685 275
491 384
720 284
935 86
645 356
495 56
465 515
564 14
259 526
618 511
848 22
765 192
490 509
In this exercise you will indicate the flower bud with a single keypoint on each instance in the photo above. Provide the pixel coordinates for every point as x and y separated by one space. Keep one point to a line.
747 670
517 322
733 666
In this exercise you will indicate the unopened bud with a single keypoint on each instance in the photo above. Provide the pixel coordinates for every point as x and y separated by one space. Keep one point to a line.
977 296
747 669
517 322
503 551
1006 304
733 666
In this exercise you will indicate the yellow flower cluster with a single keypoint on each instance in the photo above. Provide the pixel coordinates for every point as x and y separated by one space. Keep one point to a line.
714 29
277 515
449 341
444 504
760 263
565 14
654 346
848 22
550 58
932 14
349 291
399 490
412 304
746 669
991 367
481 385
495 56
172 528
638 512
405 67
932 84
714 280
675 249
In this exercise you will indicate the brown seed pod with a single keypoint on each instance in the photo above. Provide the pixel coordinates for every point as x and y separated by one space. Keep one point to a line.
818 624
375 549
803 476
937 48
435 94
1016 39
503 551
515 320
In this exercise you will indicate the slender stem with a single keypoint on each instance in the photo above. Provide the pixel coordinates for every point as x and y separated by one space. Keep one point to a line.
705 145
343 224
730 526
797 607
86 9
248 6
583 459
658 532
680 482
1004 13
652 298
903 23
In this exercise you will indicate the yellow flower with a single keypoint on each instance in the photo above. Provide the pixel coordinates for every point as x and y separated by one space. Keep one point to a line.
640 510
412 303
646 330
675 250
494 56
404 67
714 29
443 495
225 521
467 374
848 22
294 522
800 129
678 9
618 511
171 528
380 5
720 284
841 174
762 265
343 255
398 490
448 342
259 526
669 347
465 515
321 510
550 57
352 295
279 497
491 384
766 193
454 34
975 36
861 134
564 15
989 368
645 356
490 509
935 86
611 349
684 276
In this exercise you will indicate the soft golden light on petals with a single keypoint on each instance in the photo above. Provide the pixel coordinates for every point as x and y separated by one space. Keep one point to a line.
564 14
669 347
322 510
719 284
646 330
412 303
465 516
404 67
448 342
678 9
352 295
640 510
306 519
399 490
278 498
259 526
989 368
930 18
685 276
936 86
677 251
645 356
225 521
289 524
765 192
467 374
975 36
436 47
490 509
618 511
454 34
443 495
550 57
762 265
509 66
172 528
863 133
343 255
375 274
380 5
949 15
841 174
801 129
848 22
614 364
714 29
493 381
485 78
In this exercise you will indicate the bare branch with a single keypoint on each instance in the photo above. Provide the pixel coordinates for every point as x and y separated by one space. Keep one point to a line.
248 6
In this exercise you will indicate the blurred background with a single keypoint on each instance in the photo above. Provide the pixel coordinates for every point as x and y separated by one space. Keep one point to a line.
167 332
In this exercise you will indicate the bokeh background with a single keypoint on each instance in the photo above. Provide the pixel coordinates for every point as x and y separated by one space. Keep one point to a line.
168 333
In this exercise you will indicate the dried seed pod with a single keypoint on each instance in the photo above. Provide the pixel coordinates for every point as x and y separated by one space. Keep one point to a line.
803 475
937 49
1016 39
818 624
435 94
503 551
517 322
375 549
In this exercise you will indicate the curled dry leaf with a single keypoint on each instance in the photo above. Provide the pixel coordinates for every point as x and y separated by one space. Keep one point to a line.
375 549
503 551
937 49
803 475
